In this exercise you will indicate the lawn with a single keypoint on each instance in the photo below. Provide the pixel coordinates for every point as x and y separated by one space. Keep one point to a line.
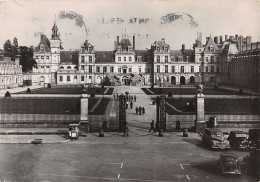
215 106
70 90
49 106
188 91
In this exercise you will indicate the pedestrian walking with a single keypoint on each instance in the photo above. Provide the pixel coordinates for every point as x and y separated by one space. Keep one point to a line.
152 126
136 110
143 109
135 98
131 104
140 110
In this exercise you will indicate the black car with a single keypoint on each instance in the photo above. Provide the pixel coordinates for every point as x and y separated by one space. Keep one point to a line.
228 163
238 139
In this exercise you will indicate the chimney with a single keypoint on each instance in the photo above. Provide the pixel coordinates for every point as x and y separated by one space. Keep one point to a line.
216 40
163 41
183 48
236 36
248 39
134 42
207 39
115 45
220 39
240 43
226 37
117 40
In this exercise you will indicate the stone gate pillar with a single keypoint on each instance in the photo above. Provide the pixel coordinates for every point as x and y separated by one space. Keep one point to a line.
84 111
122 113
200 123
161 112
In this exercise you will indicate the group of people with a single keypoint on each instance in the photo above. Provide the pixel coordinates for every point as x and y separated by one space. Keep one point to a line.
140 110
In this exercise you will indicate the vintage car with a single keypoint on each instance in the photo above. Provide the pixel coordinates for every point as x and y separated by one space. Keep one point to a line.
238 139
254 138
214 138
228 163
73 131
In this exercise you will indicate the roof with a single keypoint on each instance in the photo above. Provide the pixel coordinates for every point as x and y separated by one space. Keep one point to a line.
143 53
209 44
188 52
69 56
229 48
124 43
44 41
105 56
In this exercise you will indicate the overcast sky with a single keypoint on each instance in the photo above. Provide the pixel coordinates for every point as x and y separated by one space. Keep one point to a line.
145 19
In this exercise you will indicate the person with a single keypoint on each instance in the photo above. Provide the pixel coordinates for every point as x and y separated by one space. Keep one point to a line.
152 126
136 110
140 110
126 104
131 104
132 98
135 98
143 110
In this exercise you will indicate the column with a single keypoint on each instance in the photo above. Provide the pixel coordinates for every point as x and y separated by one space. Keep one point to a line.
200 116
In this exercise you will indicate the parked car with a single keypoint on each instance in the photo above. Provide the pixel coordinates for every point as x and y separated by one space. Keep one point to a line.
238 139
254 138
228 163
214 138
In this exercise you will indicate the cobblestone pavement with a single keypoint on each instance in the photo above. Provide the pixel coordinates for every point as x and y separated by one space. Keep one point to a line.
27 139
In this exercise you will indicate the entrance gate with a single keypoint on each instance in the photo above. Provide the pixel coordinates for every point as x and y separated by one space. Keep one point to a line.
161 112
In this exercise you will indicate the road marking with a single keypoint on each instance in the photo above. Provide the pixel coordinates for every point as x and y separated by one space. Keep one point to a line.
188 177
181 166
118 176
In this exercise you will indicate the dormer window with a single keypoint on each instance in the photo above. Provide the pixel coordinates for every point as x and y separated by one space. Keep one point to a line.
158 49
36 57
129 49
90 48
166 48
212 49
42 48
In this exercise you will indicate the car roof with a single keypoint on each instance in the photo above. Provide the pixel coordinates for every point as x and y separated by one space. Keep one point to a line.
228 155
74 125
238 132
213 129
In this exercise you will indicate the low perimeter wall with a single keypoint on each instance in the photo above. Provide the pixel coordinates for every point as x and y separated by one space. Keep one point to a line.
187 121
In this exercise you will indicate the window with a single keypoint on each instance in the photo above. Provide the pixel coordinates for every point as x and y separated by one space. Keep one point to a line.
61 78
192 69
199 59
212 59
90 48
148 70
47 67
119 58
158 49
166 49
166 59
139 69
172 59
47 57
207 59
119 70
104 69
42 57
90 68
111 69
75 77
212 69
199 68
182 69
90 77
130 70
90 59
158 59
61 67
42 48
82 67
166 68
187 58
82 78
217 69
82 59
124 58
98 69
180 59
207 69
68 67
68 78
36 57
130 58
173 69
212 49
158 68
217 59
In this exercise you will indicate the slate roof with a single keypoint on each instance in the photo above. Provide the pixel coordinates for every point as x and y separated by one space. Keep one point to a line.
209 43
69 56
105 56
144 55
179 53
230 49
124 43
44 41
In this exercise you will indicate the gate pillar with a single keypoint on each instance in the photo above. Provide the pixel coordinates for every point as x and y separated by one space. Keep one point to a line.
122 113
161 112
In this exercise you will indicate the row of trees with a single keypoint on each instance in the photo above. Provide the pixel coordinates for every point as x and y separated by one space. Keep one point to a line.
26 54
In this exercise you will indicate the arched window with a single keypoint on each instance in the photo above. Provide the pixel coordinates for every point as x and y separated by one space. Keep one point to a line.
42 57
68 67
61 67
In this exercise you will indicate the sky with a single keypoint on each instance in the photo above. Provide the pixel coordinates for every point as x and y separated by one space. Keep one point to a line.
101 21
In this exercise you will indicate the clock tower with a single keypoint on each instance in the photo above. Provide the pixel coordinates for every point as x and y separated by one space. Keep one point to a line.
55 52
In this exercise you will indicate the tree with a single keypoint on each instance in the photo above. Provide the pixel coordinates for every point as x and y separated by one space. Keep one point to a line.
8 51
26 58
15 46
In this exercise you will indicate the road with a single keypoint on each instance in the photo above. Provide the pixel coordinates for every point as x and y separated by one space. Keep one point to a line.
141 157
